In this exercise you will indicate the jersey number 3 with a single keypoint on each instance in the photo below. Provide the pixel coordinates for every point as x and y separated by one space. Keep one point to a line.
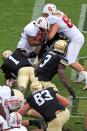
39 97
48 57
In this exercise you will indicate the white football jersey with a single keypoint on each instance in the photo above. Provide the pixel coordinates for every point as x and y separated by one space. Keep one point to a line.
22 128
65 25
29 30
5 92
69 30
4 122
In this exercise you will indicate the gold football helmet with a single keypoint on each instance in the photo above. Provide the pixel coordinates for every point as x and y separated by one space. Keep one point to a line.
60 46
36 86
6 54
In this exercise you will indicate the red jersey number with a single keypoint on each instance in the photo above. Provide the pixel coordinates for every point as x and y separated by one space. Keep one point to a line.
67 21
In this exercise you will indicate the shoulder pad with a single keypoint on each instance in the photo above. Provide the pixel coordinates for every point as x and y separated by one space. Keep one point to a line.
64 62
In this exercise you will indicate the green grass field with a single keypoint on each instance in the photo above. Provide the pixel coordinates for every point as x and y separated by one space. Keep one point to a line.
15 14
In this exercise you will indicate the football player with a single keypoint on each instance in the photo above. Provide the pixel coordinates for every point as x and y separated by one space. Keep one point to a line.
32 37
49 104
54 62
15 123
12 62
11 100
62 24
25 75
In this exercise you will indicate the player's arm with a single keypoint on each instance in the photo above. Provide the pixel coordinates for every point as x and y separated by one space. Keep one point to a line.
33 41
53 31
65 81
23 110
64 101
62 76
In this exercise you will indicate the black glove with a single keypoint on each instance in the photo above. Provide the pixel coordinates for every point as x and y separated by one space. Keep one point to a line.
40 123
72 93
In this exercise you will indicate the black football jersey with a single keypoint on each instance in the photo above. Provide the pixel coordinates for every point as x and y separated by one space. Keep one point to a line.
14 63
46 103
49 45
49 65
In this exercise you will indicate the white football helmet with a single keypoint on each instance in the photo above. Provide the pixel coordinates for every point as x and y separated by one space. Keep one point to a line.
13 103
15 119
36 86
43 23
49 9
6 54
60 46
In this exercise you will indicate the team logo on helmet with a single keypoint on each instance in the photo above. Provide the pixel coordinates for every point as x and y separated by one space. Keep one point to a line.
49 9
42 23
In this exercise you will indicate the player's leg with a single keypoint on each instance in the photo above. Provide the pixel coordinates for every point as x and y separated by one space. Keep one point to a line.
62 118
72 54
24 75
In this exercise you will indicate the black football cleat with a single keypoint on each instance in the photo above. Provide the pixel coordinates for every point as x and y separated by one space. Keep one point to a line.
41 124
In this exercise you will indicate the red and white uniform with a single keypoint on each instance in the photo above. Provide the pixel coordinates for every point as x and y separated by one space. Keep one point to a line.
5 92
6 127
71 32
29 30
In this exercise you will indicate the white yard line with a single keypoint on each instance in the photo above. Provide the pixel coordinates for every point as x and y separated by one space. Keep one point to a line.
77 116
38 7
82 17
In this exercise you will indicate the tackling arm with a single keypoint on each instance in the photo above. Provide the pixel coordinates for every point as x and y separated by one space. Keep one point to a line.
64 80
23 110
62 76
53 31
64 101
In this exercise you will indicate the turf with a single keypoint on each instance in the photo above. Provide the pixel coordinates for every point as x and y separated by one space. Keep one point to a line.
15 14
